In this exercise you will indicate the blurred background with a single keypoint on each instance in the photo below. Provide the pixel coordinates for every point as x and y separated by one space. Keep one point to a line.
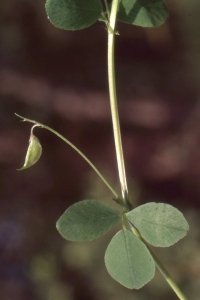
59 78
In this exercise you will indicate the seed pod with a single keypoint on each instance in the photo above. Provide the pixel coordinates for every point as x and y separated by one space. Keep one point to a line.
33 153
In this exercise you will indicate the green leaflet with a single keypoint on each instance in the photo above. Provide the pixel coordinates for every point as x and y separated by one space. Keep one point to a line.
73 14
87 220
33 153
128 260
144 13
160 224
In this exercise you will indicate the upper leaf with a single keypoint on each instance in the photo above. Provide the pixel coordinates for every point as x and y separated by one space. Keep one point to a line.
73 14
33 153
159 224
145 13
129 261
87 220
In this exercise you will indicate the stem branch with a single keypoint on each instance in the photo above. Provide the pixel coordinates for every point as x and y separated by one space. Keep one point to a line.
77 150
107 8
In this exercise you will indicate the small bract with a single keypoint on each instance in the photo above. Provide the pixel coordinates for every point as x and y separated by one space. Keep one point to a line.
33 153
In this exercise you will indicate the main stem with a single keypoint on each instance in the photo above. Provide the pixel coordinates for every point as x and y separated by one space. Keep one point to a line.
118 142
113 101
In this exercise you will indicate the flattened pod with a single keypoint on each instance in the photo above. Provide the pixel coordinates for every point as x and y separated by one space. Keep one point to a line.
33 153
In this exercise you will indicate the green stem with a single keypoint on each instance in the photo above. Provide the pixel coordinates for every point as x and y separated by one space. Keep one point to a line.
113 102
168 277
118 143
160 267
118 200
107 8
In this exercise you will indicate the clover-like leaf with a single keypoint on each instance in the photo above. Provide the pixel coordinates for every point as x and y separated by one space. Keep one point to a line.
129 261
73 14
33 153
87 220
145 13
159 224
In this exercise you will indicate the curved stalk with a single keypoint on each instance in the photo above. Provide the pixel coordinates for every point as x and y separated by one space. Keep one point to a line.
113 101
118 200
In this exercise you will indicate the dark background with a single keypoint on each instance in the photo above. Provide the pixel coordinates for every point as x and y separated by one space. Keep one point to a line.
59 78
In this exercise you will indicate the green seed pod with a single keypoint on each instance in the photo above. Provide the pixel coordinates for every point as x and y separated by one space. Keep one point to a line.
33 153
